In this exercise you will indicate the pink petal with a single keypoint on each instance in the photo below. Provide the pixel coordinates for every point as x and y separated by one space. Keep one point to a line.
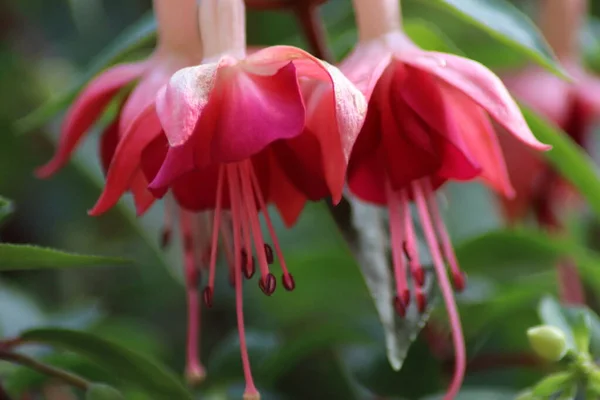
87 108
336 110
181 102
288 200
480 138
255 111
108 144
480 84
127 159
364 66
142 198
424 96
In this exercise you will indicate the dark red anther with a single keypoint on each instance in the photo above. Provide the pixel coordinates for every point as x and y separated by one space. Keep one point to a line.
268 284
421 301
399 306
165 238
405 295
418 275
249 269
406 252
207 295
244 258
288 282
459 280
269 253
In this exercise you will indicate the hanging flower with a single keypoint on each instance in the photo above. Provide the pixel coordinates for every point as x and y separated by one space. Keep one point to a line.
134 129
573 106
427 123
273 126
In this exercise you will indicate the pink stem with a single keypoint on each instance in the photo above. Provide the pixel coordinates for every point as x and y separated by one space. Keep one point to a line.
215 232
396 227
561 21
447 293
236 206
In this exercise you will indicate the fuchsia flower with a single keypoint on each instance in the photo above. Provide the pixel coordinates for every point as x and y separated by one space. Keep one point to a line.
273 126
573 106
133 131
427 123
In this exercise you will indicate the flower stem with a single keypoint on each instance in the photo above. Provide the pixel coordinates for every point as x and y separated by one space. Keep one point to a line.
45 369
560 22
375 18
312 27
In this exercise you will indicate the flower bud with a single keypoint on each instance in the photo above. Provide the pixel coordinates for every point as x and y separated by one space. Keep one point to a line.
548 342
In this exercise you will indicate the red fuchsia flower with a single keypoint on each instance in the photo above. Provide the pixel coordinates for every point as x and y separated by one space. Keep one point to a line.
135 127
427 123
573 106
275 126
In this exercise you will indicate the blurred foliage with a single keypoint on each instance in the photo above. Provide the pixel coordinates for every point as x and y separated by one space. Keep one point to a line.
324 340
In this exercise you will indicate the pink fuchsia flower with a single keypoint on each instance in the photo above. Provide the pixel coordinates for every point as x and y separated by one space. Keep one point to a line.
573 106
427 123
275 126
136 125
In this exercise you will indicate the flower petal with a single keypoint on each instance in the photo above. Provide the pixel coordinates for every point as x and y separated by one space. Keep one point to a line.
181 102
254 111
480 84
87 108
108 144
288 200
480 138
335 108
127 159
142 198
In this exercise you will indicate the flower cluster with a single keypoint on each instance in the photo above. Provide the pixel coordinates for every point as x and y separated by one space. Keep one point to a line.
222 132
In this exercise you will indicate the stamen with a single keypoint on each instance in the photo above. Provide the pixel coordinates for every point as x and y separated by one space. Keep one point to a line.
269 254
421 300
447 294
226 235
167 229
399 306
248 261
288 279
207 296
410 245
195 372
250 392
458 277
267 282
208 292
396 236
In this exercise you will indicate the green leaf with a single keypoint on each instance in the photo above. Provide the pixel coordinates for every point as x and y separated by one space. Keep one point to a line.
135 37
429 37
552 384
552 313
506 23
581 326
516 249
125 364
25 257
100 391
6 208
567 157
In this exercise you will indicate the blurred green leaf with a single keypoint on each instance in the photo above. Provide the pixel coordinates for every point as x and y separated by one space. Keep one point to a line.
132 367
135 37
567 157
25 257
582 326
552 313
6 208
478 394
100 391
552 384
506 23
429 37
515 249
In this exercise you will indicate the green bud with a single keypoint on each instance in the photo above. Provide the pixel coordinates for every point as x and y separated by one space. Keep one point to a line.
100 391
548 342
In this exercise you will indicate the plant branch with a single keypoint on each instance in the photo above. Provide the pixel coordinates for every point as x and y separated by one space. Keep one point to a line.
313 29
45 369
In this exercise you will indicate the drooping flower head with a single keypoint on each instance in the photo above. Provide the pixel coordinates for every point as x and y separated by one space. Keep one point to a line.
244 130
427 123
135 127
573 106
